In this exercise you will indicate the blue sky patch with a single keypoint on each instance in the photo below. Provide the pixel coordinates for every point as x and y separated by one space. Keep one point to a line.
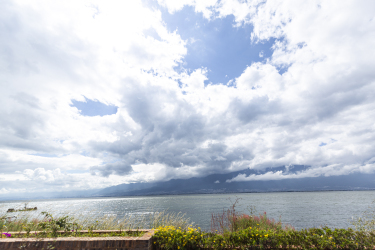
282 69
217 45
94 108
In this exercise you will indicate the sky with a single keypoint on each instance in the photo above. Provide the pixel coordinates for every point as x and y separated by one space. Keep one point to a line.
100 93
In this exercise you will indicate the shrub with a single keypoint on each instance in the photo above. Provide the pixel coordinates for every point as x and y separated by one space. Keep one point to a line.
169 237
255 238
262 222
231 221
193 238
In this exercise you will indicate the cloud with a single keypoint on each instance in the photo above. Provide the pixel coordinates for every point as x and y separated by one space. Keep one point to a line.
49 61
121 168
171 122
44 180
40 174
332 170
202 6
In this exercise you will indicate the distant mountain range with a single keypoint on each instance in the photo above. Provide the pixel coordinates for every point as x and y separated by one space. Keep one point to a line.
216 183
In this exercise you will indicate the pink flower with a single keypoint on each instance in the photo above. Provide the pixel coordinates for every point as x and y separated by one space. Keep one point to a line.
7 235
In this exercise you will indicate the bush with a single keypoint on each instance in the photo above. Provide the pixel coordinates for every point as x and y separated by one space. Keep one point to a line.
232 230
255 238
169 237
194 238
231 221
261 222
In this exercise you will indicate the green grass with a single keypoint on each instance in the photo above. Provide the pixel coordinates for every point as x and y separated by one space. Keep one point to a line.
50 226
46 234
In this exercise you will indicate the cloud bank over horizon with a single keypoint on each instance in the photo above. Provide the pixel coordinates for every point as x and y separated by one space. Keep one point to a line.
96 94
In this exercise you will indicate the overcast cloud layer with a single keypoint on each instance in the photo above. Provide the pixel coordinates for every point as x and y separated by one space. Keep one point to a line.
310 103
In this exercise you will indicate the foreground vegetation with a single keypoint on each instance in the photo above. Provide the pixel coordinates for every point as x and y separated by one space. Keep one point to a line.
170 237
229 230
48 226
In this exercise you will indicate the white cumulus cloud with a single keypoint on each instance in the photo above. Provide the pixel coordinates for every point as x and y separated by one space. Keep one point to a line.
317 87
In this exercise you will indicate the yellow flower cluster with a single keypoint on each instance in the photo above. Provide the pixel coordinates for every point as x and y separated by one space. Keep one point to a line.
177 238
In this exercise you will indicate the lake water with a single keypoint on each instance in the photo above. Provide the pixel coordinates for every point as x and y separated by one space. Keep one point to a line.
299 209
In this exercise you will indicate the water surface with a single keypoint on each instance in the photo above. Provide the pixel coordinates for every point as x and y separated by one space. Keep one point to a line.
299 209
